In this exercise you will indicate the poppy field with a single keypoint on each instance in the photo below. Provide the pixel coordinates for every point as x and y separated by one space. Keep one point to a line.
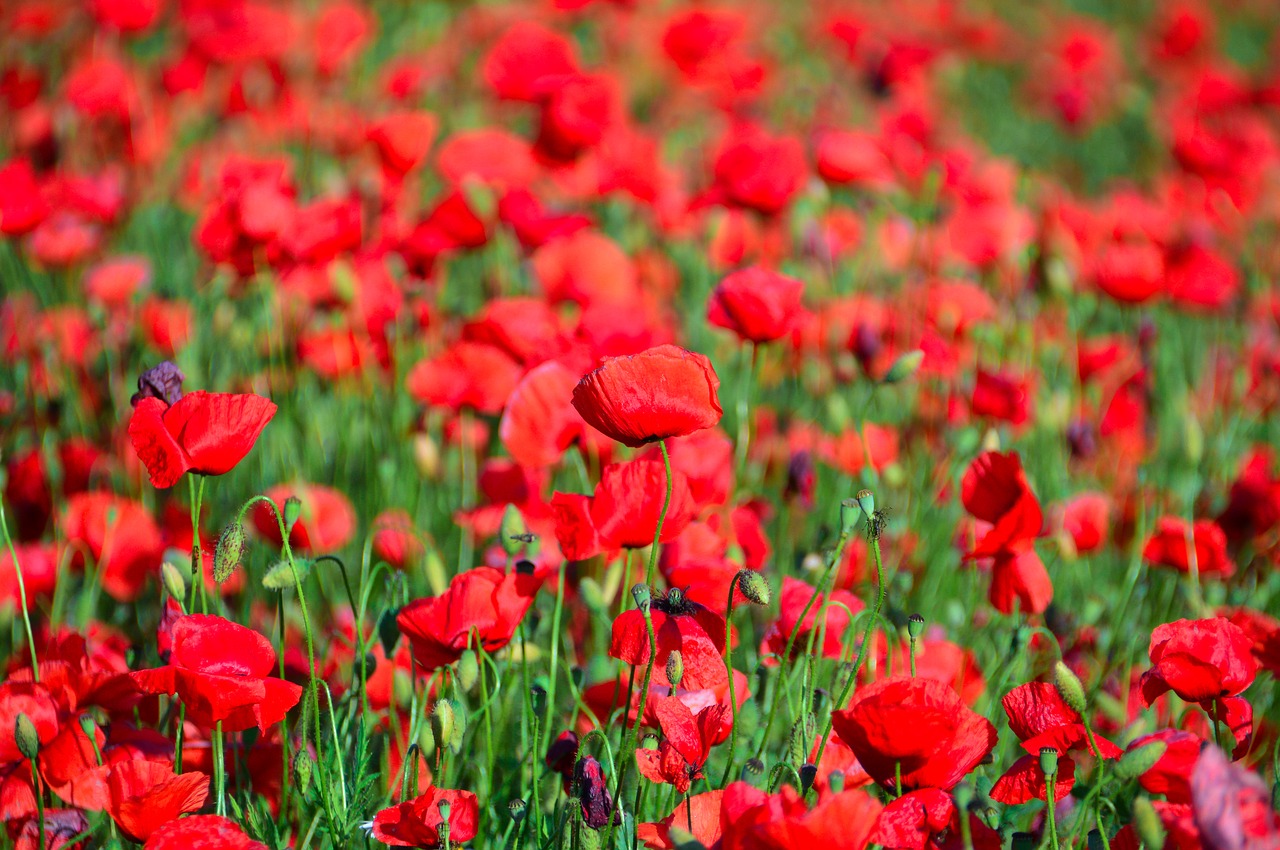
619 424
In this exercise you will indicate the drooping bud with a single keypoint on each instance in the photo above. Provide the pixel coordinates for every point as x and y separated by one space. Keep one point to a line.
642 595
513 531
915 626
292 510
1148 824
675 668
593 793
1049 761
592 595
230 550
25 736
175 583
459 727
1138 761
1069 688
468 670
754 587
904 367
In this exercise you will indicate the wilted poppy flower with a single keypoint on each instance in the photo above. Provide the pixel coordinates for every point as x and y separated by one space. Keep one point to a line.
1168 547
483 602
416 822
200 831
59 827
146 795
593 794
995 490
643 398
757 304
918 726
205 433
221 672
679 624
687 739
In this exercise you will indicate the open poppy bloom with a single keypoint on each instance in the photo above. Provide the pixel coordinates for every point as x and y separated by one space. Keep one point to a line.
220 670
995 490
146 795
199 831
416 822
1169 547
483 602
687 739
757 304
918 726
205 433
643 398
679 624
924 820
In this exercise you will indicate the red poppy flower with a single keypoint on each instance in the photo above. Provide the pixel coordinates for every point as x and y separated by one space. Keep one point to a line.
624 510
1000 396
1025 780
846 819
467 374
526 60
757 304
326 522
1263 630
1020 579
687 739
643 398
483 602
1040 718
995 490
1199 660
758 171
1086 518
679 624
539 421
911 821
220 670
120 536
702 811
205 433
146 795
416 822
1168 547
202 832
919 725
792 601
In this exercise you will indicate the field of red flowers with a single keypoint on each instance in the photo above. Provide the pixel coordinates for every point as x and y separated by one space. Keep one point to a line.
619 424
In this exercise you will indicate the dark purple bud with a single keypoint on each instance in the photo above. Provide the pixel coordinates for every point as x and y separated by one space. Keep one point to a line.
163 382
592 793
562 753
865 343
801 479
1081 439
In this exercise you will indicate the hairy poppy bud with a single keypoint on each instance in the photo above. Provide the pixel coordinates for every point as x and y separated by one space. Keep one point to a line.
1069 688
303 767
459 728
904 367
1049 761
292 510
468 670
175 584
226 556
25 736
754 587
835 781
1139 760
675 668
1147 822
642 595
915 626
442 722
513 531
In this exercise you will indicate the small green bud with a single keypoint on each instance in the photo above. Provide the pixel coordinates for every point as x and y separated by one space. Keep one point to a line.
1069 688
1049 761
292 510
443 722
904 367
915 626
468 670
754 587
226 557
175 583
963 795
1138 761
427 738
513 531
280 576
642 595
459 728
1148 824
835 781
303 767
25 736
675 668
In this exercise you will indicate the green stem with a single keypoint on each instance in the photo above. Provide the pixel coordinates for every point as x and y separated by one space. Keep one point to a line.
22 601
628 753
35 780
733 696
219 770
1050 814
662 517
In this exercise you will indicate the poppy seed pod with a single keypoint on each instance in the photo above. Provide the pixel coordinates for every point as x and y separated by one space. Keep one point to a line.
1049 761
444 808
754 587
915 626
1069 688
835 781
850 510
517 808
642 595
867 502
25 735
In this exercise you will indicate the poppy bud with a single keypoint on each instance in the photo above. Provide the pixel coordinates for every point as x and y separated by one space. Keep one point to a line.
517 808
25 736
280 576
468 670
642 595
513 531
302 769
292 510
433 566
226 556
808 773
1147 822
754 587
442 722
426 456
1138 761
904 367
675 668
1049 761
915 626
797 747
835 781
963 795
1193 440
426 735
1069 688
174 582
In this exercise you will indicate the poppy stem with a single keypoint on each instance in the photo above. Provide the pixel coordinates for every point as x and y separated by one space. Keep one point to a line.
744 408
219 771
733 696
662 517
39 792
628 752
1050 814
22 599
